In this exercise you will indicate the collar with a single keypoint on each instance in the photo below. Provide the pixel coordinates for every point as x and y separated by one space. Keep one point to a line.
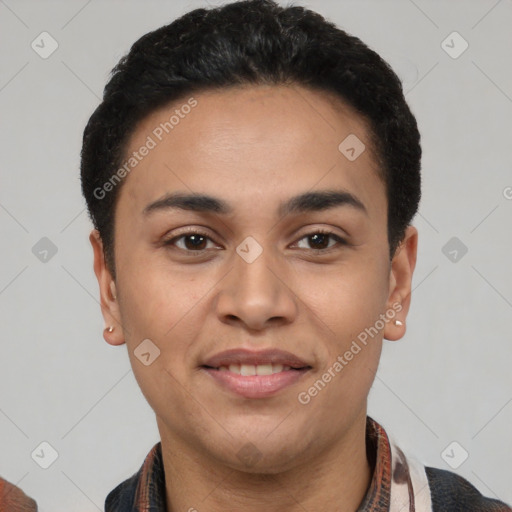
398 483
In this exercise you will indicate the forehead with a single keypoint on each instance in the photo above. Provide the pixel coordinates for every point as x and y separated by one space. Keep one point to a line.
253 145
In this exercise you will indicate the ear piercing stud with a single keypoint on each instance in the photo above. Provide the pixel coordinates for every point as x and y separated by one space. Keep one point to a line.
109 328
398 322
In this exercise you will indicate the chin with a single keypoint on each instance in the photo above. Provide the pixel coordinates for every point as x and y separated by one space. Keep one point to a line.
259 453
263 464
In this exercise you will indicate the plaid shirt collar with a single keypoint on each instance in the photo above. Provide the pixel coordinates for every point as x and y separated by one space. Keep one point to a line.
145 491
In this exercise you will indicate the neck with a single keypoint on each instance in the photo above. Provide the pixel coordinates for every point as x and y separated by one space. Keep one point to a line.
340 474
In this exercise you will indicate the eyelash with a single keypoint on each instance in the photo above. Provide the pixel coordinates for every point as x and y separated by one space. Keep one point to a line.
335 237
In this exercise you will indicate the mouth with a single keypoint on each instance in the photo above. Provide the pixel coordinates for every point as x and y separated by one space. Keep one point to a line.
255 369
255 374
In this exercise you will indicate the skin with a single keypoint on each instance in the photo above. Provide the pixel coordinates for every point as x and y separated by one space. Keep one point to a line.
254 147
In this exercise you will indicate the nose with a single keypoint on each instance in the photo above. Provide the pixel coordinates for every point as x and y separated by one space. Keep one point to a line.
256 293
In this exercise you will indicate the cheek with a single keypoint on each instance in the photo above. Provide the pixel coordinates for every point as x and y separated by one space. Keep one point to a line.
167 307
162 308
347 299
158 299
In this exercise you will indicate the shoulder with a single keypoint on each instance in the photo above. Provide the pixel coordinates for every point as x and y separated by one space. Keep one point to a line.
452 493
144 490
122 497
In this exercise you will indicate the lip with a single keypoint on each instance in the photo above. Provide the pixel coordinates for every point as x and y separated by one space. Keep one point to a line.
255 386
244 356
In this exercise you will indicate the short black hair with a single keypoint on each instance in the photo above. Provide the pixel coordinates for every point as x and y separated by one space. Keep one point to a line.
243 43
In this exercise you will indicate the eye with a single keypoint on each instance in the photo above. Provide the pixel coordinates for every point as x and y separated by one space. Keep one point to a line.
193 241
320 238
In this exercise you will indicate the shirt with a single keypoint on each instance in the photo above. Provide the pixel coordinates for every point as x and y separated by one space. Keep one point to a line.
398 484
13 499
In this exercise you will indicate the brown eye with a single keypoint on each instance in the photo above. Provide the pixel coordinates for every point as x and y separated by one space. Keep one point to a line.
191 241
319 240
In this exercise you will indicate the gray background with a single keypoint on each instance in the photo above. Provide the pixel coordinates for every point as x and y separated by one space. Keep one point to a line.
448 380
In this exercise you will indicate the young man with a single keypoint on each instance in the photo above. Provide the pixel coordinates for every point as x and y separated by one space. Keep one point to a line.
252 173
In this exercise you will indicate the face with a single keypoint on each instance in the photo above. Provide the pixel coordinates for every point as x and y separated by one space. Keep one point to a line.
257 279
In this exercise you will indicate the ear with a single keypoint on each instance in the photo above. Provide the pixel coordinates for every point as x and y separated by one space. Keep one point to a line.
400 281
108 294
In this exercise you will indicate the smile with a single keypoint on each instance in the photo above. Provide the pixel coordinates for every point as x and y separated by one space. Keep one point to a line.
255 381
250 369
255 374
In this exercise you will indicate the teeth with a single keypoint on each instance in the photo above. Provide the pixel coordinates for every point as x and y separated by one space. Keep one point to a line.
263 369
251 369
247 369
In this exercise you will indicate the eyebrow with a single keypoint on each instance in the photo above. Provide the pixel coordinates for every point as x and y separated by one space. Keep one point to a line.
307 202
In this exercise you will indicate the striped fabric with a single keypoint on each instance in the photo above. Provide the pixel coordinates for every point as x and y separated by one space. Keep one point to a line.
399 484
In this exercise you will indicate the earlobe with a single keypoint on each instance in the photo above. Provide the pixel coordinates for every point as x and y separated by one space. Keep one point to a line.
113 333
110 338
